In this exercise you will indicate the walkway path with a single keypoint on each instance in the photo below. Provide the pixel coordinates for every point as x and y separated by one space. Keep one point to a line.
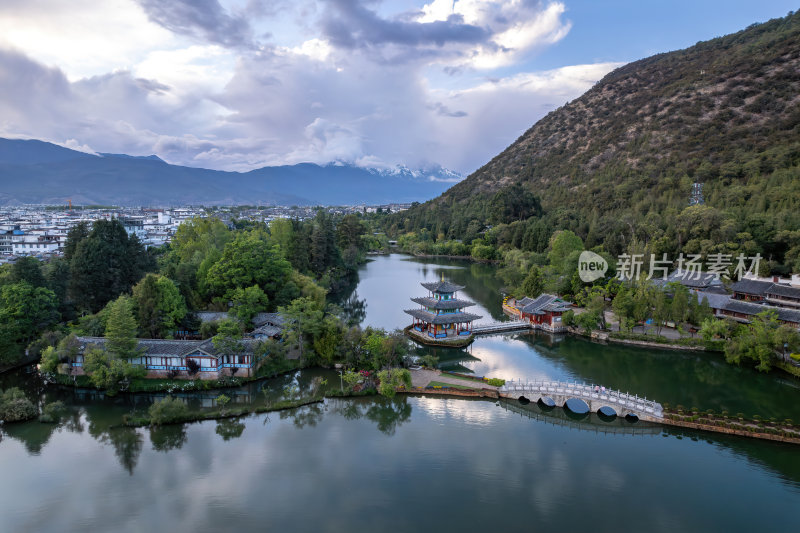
420 378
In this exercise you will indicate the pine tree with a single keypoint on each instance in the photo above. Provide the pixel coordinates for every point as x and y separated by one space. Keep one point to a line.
121 329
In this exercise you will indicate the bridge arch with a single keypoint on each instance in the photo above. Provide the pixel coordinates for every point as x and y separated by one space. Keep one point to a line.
607 411
577 406
547 402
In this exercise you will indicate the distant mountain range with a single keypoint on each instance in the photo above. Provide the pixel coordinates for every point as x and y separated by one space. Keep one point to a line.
40 172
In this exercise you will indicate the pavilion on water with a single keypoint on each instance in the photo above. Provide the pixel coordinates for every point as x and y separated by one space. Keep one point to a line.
441 314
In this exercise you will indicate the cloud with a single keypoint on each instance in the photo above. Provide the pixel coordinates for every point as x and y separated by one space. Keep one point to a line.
349 25
341 81
206 20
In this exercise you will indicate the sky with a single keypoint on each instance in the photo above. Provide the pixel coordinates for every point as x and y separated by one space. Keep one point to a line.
241 84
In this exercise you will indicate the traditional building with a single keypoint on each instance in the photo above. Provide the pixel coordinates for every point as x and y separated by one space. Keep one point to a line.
197 358
441 313
742 311
544 312
776 294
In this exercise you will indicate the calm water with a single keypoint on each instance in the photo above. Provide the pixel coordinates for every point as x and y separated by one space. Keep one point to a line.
417 464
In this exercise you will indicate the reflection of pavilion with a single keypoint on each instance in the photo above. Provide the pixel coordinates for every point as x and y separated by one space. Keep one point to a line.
441 314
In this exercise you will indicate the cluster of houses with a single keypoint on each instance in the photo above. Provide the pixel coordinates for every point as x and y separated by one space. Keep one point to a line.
741 301
190 358
41 231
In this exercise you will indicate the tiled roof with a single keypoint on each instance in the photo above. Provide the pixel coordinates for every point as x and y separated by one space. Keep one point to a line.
447 318
545 302
442 286
690 279
751 286
442 304
715 300
274 319
168 348
267 330
750 309
783 290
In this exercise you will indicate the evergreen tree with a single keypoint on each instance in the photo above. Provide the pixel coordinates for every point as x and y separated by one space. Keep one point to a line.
121 329
106 264
533 285
159 306
75 236
29 270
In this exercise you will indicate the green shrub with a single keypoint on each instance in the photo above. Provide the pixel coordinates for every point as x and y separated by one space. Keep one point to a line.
15 406
496 382
167 411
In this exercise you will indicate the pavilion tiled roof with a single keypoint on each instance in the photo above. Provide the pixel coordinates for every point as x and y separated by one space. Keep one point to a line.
433 303
442 286
446 318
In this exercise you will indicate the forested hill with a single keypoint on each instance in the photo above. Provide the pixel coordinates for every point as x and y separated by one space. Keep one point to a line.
617 164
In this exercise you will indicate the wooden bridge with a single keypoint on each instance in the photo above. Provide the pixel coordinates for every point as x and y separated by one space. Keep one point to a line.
594 396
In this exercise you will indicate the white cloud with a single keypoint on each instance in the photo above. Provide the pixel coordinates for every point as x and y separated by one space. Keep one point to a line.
118 82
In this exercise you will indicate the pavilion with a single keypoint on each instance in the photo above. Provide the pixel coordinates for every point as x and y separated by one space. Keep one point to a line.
441 314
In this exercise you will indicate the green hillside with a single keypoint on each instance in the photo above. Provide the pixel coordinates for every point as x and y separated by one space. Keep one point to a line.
616 165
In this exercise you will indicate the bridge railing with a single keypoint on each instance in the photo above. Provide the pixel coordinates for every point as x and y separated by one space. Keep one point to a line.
584 391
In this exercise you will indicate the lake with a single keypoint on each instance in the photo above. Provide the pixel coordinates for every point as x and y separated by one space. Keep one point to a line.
417 463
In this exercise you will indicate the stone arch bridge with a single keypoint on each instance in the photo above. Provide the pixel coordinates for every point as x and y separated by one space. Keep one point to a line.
594 396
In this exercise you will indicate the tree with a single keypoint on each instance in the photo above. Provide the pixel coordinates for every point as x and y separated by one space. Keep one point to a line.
622 305
596 305
107 371
228 340
29 270
121 329
24 312
106 264
760 341
661 308
15 406
533 285
250 260
679 307
75 236
159 306
587 320
304 320
248 302
562 244
57 275
391 379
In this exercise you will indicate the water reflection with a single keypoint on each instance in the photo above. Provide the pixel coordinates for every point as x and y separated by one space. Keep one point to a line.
168 437
230 428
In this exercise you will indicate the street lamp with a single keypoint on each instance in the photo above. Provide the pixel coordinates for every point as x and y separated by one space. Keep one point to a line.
341 373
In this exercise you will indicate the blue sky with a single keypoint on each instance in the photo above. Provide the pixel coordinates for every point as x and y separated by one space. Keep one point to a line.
238 84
